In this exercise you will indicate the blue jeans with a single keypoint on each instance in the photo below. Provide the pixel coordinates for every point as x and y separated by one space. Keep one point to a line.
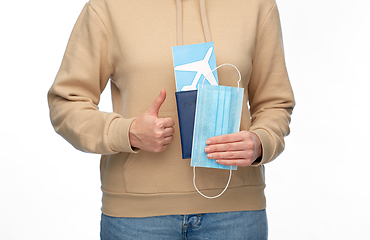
250 225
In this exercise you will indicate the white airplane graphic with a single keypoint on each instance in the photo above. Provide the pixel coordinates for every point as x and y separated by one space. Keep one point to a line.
202 68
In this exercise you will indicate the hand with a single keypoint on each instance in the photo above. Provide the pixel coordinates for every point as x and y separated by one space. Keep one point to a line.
150 133
236 149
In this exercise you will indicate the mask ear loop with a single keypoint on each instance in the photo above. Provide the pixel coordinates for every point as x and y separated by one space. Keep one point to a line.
195 186
225 64
228 182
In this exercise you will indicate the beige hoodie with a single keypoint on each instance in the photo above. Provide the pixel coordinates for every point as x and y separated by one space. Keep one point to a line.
129 42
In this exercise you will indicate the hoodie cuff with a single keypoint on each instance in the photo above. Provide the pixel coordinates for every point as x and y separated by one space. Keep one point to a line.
267 143
118 135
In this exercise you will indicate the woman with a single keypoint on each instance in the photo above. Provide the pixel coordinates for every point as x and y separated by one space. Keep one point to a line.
147 187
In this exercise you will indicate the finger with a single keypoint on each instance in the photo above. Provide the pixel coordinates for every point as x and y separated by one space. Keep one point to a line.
167 122
163 142
235 146
167 132
162 133
163 123
235 162
231 155
227 138
161 149
156 105
157 145
167 140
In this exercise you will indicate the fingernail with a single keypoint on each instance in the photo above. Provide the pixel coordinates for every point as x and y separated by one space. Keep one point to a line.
217 161
209 155
208 142
207 149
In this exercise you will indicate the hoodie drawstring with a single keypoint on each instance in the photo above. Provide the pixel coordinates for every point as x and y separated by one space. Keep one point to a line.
179 22
203 13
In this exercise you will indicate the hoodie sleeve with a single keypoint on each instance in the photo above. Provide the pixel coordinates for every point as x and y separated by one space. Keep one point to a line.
270 94
74 96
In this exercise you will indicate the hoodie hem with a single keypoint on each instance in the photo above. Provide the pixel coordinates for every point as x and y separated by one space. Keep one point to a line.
243 198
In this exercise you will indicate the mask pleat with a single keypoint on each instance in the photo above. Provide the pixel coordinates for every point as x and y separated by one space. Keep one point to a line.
220 111
226 120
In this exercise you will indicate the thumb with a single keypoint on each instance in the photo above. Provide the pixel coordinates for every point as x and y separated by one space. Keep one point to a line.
156 105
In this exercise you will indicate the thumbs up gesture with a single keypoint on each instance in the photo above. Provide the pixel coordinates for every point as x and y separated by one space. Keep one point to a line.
150 133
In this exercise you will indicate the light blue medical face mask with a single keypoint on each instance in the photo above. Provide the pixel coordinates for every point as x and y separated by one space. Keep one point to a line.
218 112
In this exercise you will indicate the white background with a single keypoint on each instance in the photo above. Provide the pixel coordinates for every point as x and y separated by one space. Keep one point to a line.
317 189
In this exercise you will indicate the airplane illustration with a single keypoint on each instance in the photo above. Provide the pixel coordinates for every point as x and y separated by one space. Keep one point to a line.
202 68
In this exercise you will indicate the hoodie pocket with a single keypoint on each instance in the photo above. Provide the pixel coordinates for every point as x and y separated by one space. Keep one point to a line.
166 172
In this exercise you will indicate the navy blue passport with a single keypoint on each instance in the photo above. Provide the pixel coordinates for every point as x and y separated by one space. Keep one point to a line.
186 102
